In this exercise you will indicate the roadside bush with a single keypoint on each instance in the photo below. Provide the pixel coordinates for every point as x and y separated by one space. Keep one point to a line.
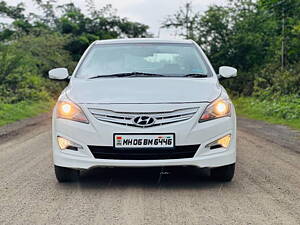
286 107
273 82
242 85
24 67
26 86
46 51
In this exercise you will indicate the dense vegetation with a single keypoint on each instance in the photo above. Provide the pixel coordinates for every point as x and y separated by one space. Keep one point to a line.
261 38
282 110
249 35
32 44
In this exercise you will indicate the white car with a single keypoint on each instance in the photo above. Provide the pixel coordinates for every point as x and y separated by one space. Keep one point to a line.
144 103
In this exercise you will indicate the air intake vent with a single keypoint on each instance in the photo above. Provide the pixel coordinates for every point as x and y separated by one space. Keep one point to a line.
180 152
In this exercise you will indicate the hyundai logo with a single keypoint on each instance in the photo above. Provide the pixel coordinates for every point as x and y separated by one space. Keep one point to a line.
143 121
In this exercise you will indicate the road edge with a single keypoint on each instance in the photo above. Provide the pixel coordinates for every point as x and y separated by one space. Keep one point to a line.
281 135
14 127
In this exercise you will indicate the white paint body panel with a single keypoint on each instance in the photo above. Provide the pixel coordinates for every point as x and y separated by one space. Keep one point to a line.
143 90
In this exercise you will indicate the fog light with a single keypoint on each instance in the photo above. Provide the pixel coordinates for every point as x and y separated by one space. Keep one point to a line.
67 144
223 142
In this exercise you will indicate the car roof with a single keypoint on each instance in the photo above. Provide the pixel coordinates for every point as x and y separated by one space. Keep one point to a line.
143 40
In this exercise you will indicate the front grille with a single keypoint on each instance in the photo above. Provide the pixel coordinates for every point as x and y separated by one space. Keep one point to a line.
127 118
179 152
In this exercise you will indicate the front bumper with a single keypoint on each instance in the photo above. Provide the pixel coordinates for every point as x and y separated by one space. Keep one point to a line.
213 160
189 132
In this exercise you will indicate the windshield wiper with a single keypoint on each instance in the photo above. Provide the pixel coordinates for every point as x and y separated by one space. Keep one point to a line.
131 74
196 75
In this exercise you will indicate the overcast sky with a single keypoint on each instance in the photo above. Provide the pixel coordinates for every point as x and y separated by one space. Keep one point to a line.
150 12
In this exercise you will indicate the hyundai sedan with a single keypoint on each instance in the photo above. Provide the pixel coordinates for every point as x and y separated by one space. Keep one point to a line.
144 103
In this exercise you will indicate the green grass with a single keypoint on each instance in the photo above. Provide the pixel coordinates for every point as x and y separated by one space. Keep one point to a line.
283 110
13 112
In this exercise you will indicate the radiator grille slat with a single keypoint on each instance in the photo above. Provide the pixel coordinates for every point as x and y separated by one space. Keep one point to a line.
127 118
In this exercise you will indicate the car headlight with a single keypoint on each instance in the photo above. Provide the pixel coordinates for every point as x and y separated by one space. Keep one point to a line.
221 107
70 111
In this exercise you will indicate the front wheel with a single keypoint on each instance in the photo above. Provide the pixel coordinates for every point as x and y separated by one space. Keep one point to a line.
223 173
64 174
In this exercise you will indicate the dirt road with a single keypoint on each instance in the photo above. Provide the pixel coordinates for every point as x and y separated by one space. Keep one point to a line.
265 190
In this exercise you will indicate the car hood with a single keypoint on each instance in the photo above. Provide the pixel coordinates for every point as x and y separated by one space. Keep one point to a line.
143 90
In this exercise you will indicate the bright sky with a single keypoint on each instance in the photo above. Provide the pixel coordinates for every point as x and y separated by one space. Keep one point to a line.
150 12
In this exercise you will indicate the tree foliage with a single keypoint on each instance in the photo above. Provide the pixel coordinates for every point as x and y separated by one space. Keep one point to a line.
185 20
31 44
249 35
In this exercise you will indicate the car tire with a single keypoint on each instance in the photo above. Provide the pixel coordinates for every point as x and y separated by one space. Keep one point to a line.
64 174
223 173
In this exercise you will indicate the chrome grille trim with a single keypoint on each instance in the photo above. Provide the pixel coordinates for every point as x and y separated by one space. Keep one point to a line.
126 118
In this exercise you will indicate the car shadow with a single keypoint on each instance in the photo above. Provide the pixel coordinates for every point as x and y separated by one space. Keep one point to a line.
152 178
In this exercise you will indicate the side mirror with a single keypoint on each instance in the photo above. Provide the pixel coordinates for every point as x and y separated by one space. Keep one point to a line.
227 72
59 74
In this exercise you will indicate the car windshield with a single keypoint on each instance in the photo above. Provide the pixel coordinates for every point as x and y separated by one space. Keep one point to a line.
143 59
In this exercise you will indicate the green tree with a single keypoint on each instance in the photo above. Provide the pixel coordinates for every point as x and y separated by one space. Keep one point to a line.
19 79
184 20
32 44
286 14
248 34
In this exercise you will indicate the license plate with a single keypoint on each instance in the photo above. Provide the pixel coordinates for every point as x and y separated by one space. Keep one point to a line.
144 140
